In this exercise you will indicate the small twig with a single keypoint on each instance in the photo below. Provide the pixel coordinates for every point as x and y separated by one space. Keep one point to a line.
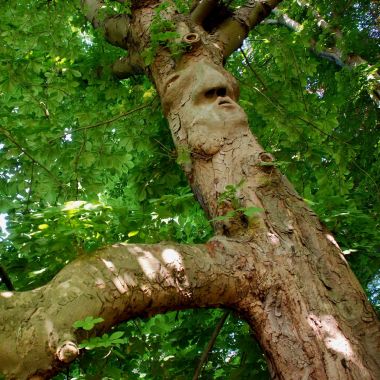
255 73
109 121
164 148
76 163
367 174
8 135
4 278
30 189
210 344
299 80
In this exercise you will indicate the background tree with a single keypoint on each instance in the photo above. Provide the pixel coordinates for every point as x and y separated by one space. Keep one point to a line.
56 70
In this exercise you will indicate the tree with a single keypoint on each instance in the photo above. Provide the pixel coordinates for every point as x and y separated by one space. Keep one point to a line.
270 259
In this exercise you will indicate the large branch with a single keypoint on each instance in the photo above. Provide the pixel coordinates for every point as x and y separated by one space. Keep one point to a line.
333 54
117 284
235 29
202 9
115 28
322 23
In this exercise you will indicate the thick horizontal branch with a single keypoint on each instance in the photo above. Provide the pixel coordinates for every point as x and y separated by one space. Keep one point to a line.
116 284
235 29
115 28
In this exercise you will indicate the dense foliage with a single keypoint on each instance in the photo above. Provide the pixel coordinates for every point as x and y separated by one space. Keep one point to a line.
87 160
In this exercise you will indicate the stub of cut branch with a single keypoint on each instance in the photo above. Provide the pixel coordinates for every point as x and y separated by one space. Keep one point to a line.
235 29
191 39
67 352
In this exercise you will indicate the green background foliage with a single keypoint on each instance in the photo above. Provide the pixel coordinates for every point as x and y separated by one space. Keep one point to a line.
87 161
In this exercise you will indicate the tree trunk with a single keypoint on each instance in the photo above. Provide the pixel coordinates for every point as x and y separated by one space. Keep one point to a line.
306 308
272 261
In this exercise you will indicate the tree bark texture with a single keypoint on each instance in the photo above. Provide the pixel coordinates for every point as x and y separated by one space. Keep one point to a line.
117 283
271 260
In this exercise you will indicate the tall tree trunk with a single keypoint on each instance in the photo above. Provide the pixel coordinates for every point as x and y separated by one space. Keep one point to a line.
306 308
275 264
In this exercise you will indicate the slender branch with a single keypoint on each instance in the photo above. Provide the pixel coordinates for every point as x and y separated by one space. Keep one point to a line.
235 29
116 28
8 135
4 278
255 73
282 109
104 121
202 9
210 344
332 54
322 23
285 20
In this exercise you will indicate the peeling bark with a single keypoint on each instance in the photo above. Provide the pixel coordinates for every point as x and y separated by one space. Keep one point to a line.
279 268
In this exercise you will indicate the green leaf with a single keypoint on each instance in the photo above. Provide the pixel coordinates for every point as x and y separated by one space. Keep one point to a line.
251 211
88 323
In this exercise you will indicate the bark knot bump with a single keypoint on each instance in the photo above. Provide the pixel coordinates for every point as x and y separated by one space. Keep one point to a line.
191 38
266 157
266 161
67 352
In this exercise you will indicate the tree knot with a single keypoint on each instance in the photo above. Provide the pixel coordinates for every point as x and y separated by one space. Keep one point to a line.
67 352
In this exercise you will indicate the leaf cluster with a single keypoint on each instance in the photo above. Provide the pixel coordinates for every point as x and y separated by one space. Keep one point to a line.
163 33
